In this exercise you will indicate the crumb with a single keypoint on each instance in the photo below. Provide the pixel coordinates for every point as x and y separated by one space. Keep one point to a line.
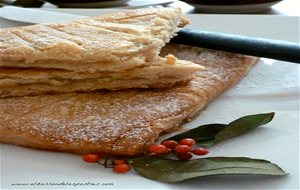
171 59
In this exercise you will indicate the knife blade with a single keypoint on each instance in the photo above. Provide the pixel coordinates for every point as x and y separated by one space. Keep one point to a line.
261 47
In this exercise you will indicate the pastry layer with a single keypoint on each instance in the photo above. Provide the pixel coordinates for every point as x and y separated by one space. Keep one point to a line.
112 42
33 81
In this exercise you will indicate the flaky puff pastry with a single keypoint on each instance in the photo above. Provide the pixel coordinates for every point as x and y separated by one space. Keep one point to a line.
114 42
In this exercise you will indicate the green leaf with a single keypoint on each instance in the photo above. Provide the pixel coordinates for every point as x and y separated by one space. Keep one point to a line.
201 133
209 135
243 125
167 170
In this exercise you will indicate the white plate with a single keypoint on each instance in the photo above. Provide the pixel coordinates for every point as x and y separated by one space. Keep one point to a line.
248 8
270 86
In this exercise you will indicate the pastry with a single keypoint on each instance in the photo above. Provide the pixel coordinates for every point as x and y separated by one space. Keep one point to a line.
37 81
122 122
116 51
113 42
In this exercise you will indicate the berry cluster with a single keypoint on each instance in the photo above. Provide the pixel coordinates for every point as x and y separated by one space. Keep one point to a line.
184 149
118 165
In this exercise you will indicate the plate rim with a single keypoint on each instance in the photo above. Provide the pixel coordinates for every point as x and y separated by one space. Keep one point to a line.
241 8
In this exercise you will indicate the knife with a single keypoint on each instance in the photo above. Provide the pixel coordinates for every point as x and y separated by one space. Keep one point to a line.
260 47
275 49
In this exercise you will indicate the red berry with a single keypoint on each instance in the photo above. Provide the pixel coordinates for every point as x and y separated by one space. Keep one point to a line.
185 156
121 168
182 149
91 158
159 149
170 143
119 161
187 141
200 151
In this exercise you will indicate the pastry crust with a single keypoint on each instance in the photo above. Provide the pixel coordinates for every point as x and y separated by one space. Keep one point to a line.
120 41
122 122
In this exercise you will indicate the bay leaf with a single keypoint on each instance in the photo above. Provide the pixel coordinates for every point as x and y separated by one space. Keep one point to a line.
210 134
166 170
201 133
244 125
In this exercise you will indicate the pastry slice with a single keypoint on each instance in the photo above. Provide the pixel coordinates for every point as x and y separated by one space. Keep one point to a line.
34 81
116 51
114 42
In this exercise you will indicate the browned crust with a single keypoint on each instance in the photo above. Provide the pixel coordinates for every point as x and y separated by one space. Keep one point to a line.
123 122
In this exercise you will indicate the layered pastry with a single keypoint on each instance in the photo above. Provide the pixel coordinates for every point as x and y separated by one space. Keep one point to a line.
116 51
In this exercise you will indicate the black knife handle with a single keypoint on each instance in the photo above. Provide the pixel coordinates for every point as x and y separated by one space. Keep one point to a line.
259 47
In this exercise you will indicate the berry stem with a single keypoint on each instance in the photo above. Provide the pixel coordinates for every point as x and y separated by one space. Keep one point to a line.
105 164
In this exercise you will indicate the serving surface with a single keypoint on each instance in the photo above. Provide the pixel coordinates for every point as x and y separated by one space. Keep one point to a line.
270 86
